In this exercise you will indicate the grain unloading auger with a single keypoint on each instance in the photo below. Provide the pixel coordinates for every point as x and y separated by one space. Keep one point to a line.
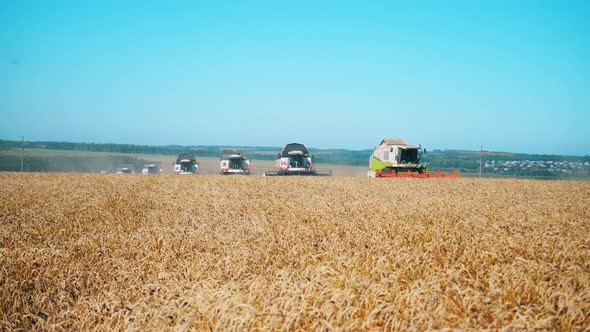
294 159
394 158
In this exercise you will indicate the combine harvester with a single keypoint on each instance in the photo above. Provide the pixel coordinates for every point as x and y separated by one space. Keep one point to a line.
234 161
152 167
125 169
394 158
186 164
294 159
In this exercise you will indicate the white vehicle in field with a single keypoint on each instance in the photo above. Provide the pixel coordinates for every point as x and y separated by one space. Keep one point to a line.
126 169
295 159
152 167
234 161
186 164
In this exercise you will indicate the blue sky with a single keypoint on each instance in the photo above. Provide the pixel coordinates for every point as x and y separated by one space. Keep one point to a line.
508 75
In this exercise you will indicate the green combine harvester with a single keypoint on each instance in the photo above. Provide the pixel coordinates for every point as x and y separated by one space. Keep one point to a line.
396 158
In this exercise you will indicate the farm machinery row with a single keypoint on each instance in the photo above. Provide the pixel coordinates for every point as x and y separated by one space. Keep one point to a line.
392 158
294 159
233 161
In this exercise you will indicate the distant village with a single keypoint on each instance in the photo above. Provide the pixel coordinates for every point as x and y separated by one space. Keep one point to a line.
536 166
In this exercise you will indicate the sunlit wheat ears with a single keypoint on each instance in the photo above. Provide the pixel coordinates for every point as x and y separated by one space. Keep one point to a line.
104 252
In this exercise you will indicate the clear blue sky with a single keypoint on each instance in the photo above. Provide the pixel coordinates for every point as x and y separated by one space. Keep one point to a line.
508 75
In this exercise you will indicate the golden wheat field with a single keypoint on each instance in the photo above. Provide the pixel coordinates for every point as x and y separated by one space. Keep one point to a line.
103 252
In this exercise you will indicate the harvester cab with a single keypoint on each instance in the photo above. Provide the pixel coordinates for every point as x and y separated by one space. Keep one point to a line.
396 158
186 164
234 161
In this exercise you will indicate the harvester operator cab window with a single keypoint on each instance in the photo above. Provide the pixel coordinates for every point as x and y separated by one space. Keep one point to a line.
409 156
297 161
237 163
186 166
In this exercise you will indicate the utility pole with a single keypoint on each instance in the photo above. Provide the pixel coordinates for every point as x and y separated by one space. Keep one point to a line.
480 153
22 154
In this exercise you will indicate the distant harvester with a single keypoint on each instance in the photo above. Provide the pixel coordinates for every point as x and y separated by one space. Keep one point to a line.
125 169
152 167
186 164
295 159
234 161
